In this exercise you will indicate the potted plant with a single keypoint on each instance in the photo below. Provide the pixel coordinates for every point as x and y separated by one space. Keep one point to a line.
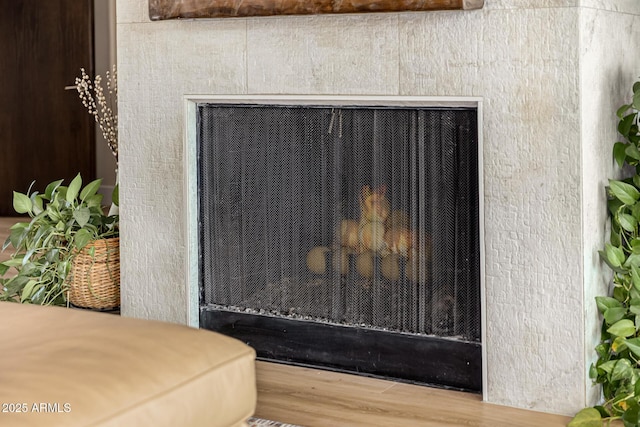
68 231
69 252
618 366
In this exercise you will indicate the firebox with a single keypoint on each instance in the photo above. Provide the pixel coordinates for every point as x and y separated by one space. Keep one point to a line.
344 235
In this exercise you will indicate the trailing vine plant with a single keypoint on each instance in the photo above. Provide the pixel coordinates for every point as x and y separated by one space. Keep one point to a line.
617 368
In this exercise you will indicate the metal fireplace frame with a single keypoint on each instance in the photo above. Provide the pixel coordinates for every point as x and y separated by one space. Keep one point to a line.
244 325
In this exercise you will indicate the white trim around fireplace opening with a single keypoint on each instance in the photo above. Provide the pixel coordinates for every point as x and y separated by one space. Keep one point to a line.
191 177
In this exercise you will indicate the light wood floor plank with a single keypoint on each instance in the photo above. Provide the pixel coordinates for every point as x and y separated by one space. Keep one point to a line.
315 398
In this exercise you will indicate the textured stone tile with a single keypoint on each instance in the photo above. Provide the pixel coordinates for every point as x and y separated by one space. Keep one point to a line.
530 36
529 4
608 73
528 77
128 11
159 64
624 6
355 54
440 53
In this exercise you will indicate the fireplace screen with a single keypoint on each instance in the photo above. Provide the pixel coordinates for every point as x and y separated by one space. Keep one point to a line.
358 217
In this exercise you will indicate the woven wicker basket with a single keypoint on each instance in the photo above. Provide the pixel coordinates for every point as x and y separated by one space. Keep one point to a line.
95 278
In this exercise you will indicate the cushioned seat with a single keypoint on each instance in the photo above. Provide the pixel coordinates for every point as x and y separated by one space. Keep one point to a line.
65 367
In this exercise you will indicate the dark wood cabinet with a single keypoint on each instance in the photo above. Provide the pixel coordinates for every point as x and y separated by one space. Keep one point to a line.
45 131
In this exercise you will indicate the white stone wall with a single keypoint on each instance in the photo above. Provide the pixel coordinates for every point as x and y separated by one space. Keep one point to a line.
550 80
610 63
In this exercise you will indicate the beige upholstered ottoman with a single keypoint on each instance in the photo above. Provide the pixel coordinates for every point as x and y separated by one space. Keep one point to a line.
65 367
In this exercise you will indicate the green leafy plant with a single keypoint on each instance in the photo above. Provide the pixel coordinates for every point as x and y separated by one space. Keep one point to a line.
618 366
63 221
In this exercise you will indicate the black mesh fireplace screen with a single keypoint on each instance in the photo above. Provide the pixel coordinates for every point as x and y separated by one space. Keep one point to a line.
345 216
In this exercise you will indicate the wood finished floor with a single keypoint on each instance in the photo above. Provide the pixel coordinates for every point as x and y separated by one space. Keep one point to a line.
317 398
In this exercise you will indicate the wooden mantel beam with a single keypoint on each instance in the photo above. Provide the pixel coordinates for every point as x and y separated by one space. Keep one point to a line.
190 9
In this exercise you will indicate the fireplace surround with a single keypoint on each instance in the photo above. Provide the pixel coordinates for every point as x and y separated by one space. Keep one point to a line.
343 232
549 74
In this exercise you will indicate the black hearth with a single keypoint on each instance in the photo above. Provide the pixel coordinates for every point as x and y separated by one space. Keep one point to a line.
345 237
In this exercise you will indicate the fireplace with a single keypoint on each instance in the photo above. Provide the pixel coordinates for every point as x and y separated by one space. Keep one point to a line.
549 77
344 234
